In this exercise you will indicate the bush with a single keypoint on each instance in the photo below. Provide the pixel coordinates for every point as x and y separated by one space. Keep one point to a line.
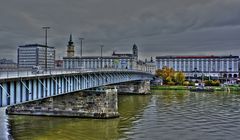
191 83
212 83
186 83
171 83
208 82
216 83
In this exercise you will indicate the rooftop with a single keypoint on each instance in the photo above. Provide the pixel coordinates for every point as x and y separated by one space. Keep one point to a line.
34 45
96 57
195 57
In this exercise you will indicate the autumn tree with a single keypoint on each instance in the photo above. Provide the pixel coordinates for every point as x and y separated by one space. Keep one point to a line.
179 77
167 74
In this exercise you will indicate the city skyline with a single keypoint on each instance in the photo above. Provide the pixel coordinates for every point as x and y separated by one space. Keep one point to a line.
206 27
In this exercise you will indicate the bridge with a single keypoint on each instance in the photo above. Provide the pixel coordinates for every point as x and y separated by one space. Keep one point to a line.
21 87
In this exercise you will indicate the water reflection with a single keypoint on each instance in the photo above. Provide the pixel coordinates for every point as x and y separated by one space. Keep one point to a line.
48 128
163 115
185 115
3 125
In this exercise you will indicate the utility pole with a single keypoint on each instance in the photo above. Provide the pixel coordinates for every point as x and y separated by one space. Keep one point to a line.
81 40
101 54
46 33
81 60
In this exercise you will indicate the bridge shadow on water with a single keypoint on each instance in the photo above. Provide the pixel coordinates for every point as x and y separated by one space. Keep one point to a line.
131 108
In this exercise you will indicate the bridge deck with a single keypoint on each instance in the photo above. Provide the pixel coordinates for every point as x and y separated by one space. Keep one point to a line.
21 86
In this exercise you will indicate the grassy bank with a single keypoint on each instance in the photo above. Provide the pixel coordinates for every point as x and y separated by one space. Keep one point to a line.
217 88
165 87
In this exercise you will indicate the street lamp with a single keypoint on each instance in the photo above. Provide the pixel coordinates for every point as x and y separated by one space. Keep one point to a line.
51 55
81 61
81 40
230 71
46 33
101 46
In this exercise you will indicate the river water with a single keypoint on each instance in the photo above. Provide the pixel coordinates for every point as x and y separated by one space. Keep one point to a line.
164 115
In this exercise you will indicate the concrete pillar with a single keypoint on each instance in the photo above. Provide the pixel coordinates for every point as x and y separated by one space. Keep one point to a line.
53 85
18 92
62 85
79 104
48 87
34 89
24 91
30 94
12 92
45 90
4 94
140 87
39 95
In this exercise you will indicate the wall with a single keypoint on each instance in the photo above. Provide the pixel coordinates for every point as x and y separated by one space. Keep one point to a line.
140 87
79 104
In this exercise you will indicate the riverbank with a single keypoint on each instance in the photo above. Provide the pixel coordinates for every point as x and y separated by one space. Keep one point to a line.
165 87
217 88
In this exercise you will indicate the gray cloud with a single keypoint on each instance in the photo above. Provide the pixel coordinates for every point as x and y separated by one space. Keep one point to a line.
159 27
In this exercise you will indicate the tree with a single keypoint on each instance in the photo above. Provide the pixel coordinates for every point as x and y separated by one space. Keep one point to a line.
167 74
179 77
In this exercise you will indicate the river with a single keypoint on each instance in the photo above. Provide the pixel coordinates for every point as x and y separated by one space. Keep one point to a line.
163 115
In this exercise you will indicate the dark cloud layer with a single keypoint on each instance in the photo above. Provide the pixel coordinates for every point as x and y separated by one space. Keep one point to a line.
159 27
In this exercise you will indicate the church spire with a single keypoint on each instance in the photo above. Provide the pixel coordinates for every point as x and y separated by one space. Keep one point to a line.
70 42
70 47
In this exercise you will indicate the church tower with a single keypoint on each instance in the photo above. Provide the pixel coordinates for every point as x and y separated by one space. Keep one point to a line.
70 47
135 51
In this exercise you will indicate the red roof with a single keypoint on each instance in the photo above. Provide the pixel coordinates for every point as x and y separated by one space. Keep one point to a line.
196 57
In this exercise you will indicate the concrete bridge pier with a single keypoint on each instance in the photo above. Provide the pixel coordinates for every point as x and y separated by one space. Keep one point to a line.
138 87
90 104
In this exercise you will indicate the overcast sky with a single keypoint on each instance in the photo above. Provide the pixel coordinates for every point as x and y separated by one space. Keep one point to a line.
158 27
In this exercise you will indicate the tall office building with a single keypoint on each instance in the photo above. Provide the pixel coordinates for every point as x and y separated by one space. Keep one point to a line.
34 55
197 66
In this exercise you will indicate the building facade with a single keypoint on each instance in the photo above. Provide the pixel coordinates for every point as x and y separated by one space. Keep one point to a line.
117 60
150 66
7 64
198 66
34 55
94 62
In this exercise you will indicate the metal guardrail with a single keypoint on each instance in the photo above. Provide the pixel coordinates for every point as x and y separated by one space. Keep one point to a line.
17 73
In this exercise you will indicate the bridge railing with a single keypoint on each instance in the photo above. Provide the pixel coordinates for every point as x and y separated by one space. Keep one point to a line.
15 73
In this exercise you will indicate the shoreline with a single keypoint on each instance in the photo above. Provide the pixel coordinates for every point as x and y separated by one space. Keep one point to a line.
218 88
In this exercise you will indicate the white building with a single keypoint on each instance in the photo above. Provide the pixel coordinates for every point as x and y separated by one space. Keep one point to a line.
94 62
150 66
7 64
34 55
117 60
198 66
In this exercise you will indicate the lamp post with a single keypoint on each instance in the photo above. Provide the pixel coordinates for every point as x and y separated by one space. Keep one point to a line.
52 59
101 46
81 40
46 33
81 61
208 71
230 70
